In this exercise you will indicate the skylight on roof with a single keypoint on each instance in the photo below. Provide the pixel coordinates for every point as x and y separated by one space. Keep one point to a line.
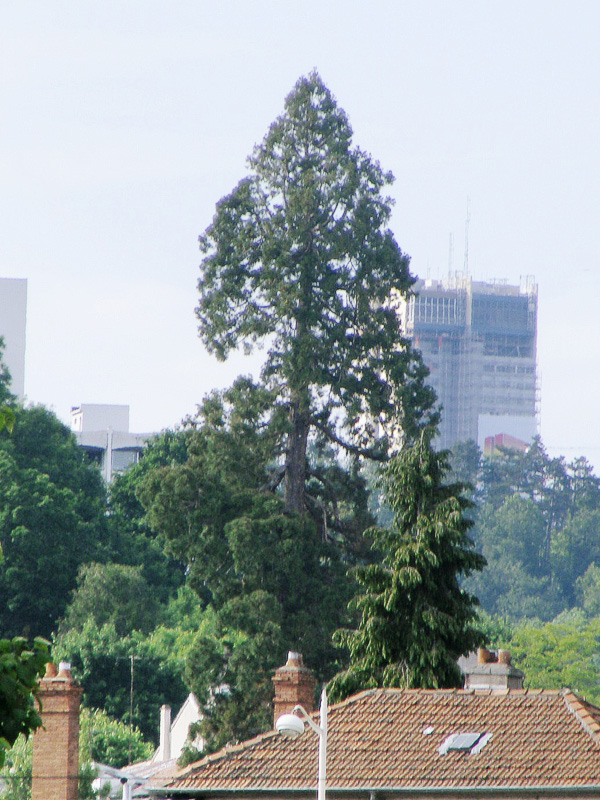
474 742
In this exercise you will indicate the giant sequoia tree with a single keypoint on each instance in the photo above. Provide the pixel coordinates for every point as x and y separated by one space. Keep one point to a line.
299 257
270 505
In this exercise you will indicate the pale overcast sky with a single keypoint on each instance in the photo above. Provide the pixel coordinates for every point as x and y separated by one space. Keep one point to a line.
124 121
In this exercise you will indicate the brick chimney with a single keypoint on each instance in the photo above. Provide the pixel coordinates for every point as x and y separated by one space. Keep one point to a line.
490 670
294 685
56 744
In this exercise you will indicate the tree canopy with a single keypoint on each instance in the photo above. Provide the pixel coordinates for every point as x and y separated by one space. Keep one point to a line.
102 662
299 257
52 520
538 525
112 593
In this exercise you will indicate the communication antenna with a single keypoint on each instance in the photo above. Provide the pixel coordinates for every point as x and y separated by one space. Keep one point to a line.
450 254
468 219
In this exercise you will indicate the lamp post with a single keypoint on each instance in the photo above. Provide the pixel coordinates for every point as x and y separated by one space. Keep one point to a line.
291 725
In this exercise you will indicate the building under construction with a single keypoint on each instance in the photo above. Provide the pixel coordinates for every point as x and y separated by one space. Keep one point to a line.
479 342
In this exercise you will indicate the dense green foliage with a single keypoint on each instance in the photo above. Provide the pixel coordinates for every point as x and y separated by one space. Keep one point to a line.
52 520
112 593
21 666
538 525
101 661
268 581
415 620
107 741
133 542
564 652
537 522
229 668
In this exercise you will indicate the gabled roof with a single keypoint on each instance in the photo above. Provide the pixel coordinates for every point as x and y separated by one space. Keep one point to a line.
389 740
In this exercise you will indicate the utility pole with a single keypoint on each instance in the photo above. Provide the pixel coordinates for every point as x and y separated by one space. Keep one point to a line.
132 658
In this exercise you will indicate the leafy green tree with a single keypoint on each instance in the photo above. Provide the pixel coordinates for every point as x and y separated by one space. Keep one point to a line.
585 485
52 520
133 541
507 590
21 667
109 741
16 774
112 593
496 631
587 588
517 529
271 504
415 620
102 661
544 480
245 557
299 257
564 652
537 524
230 667
518 581
575 547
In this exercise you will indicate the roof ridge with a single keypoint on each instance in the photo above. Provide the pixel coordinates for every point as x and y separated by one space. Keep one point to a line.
581 709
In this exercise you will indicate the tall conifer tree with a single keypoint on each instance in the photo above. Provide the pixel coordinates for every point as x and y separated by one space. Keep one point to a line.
414 618
300 257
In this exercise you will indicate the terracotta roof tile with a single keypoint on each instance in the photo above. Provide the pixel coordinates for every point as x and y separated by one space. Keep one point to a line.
376 739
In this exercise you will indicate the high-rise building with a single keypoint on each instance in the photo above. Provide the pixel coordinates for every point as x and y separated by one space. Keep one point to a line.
479 341
103 432
13 319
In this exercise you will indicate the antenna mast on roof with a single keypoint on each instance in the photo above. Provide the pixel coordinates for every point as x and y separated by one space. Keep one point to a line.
450 254
468 219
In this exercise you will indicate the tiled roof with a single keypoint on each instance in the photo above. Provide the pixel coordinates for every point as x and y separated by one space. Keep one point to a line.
390 738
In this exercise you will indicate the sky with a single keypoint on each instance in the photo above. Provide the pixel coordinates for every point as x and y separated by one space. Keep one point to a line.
123 122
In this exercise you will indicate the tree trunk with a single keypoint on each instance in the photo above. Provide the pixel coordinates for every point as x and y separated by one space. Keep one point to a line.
295 462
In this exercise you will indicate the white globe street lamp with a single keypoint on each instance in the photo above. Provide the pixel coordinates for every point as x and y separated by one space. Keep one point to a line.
291 726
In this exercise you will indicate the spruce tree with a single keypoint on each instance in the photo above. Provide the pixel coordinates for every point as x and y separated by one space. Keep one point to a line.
415 620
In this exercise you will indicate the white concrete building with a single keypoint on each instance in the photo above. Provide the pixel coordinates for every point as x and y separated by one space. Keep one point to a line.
103 432
13 323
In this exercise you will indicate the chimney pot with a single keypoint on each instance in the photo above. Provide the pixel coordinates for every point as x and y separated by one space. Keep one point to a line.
493 671
51 670
64 670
